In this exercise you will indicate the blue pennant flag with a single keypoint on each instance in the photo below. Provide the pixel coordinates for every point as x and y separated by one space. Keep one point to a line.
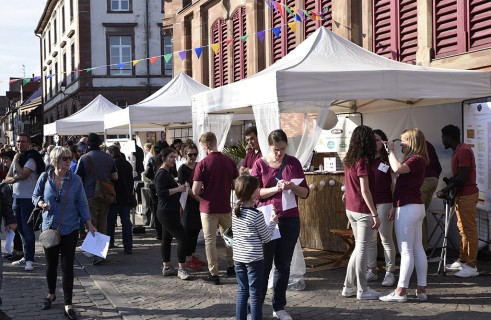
277 31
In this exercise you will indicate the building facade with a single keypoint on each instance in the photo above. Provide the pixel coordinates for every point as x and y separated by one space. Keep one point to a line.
108 47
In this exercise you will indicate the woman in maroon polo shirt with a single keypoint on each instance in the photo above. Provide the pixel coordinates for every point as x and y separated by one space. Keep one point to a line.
360 210
409 212
382 185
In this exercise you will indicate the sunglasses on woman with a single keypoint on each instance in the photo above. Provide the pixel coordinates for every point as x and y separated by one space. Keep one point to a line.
192 154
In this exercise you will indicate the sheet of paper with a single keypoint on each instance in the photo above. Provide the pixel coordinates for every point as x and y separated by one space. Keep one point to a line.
288 197
9 240
267 212
97 245
184 197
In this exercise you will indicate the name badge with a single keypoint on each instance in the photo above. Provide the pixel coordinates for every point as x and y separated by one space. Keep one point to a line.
383 167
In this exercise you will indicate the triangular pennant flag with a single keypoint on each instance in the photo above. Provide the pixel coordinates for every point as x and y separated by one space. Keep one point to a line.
277 31
307 14
215 47
297 18
36 79
80 70
15 80
293 26
182 54
47 77
325 9
294 10
244 38
228 41
26 81
260 35
269 4
317 16
153 59
167 57
278 6
314 15
198 51
300 13
90 69
120 66
136 61
273 5
287 8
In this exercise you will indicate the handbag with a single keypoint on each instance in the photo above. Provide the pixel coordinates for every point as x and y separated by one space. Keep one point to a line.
51 237
104 190
36 218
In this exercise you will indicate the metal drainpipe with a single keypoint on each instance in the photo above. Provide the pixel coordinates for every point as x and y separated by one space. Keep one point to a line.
41 75
147 36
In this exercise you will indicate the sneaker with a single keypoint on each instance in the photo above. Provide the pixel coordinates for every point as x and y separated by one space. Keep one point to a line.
368 294
230 272
97 260
371 276
213 279
16 257
422 297
349 291
21 262
249 317
190 265
170 271
183 274
282 315
467 272
29 266
456 266
389 279
393 297
197 260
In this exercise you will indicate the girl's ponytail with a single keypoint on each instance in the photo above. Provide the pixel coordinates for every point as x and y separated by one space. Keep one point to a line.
237 206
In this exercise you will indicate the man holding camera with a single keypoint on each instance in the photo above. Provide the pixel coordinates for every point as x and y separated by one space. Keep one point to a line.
463 181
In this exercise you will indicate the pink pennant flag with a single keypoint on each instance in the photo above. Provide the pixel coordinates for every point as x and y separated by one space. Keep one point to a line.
229 41
280 9
15 80
153 59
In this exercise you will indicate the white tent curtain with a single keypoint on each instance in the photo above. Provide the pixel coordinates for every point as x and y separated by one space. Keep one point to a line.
219 124
267 119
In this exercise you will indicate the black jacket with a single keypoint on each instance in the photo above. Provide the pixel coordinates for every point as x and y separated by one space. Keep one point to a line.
6 212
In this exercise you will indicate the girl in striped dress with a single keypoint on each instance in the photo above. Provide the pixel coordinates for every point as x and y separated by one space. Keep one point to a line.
250 232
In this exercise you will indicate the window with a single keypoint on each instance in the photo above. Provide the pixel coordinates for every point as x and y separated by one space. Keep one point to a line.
50 86
120 52
120 5
180 133
72 62
71 10
62 20
55 31
318 6
286 41
239 47
186 3
49 40
56 78
167 49
44 47
395 29
460 26
220 60
63 67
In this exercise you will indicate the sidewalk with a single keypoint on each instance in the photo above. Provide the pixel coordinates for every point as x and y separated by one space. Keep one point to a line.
132 287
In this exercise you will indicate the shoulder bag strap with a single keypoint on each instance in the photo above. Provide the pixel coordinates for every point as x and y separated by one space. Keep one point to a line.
283 164
64 202
92 169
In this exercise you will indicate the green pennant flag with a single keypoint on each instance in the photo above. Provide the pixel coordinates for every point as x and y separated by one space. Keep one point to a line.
26 81
307 14
244 38
167 57
287 8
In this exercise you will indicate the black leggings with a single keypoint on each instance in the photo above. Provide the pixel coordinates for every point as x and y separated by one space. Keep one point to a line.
66 247
172 228
192 235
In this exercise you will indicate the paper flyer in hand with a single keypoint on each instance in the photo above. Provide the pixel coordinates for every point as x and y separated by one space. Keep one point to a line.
184 196
288 197
267 211
96 245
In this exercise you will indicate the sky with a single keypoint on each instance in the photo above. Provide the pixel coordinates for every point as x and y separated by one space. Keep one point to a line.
18 44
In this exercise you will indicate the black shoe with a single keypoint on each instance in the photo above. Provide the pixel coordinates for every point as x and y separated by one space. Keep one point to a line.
15 257
97 260
47 303
213 279
8 256
70 314
230 272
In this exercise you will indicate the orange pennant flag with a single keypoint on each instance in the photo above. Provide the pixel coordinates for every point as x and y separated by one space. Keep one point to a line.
215 47
293 26
152 60
135 62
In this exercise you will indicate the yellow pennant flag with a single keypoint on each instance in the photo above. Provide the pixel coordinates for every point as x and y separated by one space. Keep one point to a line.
215 47
293 26
135 62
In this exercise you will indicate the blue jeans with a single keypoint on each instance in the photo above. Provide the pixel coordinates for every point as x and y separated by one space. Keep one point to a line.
124 214
250 281
22 209
281 251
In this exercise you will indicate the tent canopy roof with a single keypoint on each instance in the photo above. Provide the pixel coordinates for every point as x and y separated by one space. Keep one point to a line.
88 119
327 67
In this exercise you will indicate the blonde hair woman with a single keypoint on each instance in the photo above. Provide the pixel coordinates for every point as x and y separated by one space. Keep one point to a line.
409 213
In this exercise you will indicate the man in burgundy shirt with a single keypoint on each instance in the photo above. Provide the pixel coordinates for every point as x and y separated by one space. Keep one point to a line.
467 194
254 152
216 173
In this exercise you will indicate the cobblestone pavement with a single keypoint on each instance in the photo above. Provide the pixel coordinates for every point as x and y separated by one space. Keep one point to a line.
132 287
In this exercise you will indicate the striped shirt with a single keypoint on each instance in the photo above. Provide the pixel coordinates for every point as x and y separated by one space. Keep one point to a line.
250 232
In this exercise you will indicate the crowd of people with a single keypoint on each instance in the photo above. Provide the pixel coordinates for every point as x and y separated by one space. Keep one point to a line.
382 195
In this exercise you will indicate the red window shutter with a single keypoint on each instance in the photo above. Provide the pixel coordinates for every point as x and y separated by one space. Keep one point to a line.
290 41
382 31
479 24
317 6
216 59
224 52
408 30
277 21
445 27
220 60
239 47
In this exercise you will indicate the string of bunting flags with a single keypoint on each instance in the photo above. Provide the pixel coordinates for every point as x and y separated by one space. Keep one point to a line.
300 15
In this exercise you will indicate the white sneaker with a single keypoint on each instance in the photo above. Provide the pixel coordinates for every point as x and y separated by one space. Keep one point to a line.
393 297
368 294
371 276
349 291
282 315
21 262
183 274
456 266
389 279
29 266
422 297
467 272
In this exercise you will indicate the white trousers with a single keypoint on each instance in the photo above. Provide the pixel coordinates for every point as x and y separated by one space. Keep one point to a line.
386 236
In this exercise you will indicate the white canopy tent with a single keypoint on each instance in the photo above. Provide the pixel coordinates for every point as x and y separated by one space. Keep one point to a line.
88 119
327 70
